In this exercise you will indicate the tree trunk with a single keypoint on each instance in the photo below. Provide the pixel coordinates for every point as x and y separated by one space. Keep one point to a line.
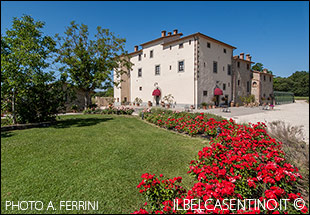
13 107
86 100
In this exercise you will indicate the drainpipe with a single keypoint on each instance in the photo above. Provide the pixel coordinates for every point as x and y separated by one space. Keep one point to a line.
195 71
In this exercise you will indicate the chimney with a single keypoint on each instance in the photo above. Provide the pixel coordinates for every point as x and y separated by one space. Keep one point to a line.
248 57
169 33
175 31
242 56
136 48
163 33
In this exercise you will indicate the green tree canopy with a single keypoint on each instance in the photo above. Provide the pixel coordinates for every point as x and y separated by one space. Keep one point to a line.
258 67
298 83
89 63
26 89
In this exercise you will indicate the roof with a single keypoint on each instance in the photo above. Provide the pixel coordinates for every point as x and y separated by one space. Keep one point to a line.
180 39
237 58
136 52
200 35
262 73
160 38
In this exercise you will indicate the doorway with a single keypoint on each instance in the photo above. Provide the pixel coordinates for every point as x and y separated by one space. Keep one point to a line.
157 100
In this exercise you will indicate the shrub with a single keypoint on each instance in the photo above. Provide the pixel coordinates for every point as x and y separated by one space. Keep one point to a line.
110 110
242 162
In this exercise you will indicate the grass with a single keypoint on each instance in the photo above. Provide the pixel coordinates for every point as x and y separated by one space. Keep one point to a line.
90 158
302 98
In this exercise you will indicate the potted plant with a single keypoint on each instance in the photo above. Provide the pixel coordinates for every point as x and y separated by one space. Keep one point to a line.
169 99
162 103
204 105
149 103
74 108
263 100
210 106
138 101
214 100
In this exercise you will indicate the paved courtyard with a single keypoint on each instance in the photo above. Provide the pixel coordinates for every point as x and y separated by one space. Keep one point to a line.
295 114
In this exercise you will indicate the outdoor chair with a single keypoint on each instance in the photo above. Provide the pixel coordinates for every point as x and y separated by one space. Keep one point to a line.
225 108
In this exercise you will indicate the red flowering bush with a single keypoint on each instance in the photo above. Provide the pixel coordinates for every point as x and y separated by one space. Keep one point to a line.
242 162
159 191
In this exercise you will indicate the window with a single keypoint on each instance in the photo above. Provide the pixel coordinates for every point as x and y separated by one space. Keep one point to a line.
209 45
214 67
170 67
205 93
224 51
125 99
140 88
223 68
204 64
270 78
157 70
238 64
140 72
180 45
170 47
228 84
238 82
151 54
144 55
248 86
117 99
139 58
224 86
264 78
228 69
181 66
190 41
248 66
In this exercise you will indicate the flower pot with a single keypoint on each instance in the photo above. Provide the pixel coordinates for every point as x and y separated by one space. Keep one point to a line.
204 107
168 105
210 107
138 104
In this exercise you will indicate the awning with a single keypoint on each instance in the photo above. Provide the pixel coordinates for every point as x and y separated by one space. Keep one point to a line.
156 92
218 91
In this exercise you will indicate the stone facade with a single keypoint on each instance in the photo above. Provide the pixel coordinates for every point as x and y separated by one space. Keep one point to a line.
78 99
262 86
189 68
241 77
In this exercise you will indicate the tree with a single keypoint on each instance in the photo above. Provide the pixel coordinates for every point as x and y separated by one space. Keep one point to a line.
26 90
298 83
258 67
89 63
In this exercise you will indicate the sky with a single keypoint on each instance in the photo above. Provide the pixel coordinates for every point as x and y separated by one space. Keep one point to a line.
274 33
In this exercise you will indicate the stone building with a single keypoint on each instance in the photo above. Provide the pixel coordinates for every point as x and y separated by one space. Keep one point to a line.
262 86
193 69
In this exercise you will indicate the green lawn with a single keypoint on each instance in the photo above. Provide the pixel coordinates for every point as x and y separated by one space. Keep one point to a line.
90 158
301 98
